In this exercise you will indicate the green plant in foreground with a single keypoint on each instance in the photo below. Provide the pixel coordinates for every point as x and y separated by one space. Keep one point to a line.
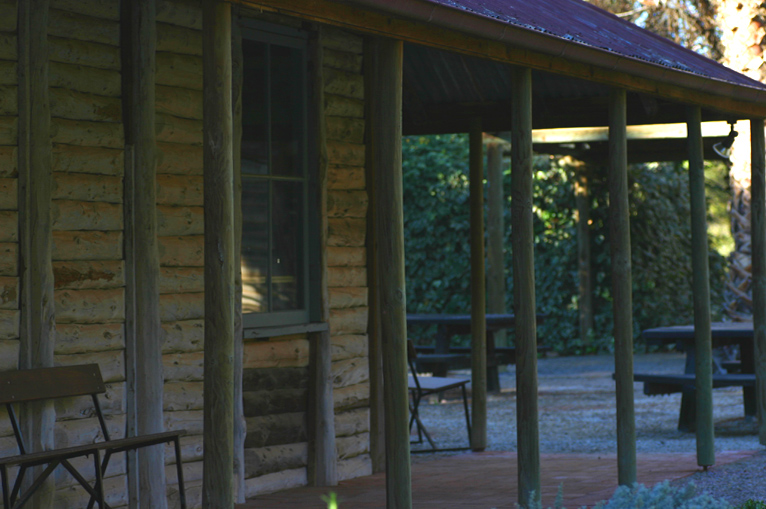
331 500
661 496
753 504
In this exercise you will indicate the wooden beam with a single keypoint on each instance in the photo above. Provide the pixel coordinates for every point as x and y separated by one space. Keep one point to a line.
322 468
758 229
240 425
38 321
523 242
585 281
218 180
701 291
375 350
478 291
619 231
143 261
389 224
580 62
496 235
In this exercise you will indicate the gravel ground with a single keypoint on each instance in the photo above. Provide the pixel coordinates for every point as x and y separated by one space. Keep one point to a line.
577 415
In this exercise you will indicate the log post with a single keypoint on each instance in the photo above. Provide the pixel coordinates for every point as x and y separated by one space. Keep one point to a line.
758 229
619 230
700 290
240 425
322 468
218 179
496 236
38 321
478 291
142 260
523 242
389 224
375 350
585 287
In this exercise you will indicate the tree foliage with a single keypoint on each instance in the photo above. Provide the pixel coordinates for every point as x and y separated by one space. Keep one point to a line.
437 247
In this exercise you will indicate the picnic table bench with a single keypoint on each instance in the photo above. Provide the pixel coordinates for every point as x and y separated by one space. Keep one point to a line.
40 384
722 333
444 356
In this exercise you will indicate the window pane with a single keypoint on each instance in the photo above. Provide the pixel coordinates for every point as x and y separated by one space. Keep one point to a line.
255 245
287 254
255 113
287 110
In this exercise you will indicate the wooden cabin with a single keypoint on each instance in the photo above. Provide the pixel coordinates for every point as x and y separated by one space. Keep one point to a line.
207 195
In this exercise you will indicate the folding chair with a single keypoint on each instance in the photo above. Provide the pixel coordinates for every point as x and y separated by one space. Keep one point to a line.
423 386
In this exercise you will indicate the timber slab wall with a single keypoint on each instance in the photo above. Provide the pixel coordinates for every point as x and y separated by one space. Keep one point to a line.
89 259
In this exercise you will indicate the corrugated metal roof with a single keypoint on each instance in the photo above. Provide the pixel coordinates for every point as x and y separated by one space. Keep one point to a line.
579 22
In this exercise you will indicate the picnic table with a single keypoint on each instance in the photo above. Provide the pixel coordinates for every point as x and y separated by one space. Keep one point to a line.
448 325
722 334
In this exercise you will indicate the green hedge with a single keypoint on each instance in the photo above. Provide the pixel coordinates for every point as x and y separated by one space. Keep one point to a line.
436 223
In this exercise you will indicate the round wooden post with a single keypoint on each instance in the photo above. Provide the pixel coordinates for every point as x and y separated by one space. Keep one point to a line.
389 224
496 236
585 291
701 290
240 424
758 229
142 290
322 468
523 242
37 321
478 292
619 231
375 349
218 179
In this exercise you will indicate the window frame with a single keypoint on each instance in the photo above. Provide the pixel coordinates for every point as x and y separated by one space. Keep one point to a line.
277 35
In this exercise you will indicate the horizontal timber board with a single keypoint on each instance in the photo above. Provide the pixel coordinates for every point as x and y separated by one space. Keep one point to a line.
76 105
9 257
87 245
178 159
179 39
83 215
9 226
90 306
105 9
90 54
87 187
75 338
9 194
82 78
79 26
183 336
182 250
180 190
83 275
9 324
87 133
8 161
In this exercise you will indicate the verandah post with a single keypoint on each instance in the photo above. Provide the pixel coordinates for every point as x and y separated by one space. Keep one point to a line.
700 290
622 306
218 180
528 434
389 224
478 291
758 229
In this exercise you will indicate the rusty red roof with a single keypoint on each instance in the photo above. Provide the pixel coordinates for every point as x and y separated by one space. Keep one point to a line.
581 23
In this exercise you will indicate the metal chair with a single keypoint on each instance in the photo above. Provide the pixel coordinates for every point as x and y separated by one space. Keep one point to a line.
420 387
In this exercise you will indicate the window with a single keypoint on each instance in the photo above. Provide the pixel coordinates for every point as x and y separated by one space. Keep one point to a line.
275 177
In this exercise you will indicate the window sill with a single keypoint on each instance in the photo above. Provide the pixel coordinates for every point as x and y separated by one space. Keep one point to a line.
285 330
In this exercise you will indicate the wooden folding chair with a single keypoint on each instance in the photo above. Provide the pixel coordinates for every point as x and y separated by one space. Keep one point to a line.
423 386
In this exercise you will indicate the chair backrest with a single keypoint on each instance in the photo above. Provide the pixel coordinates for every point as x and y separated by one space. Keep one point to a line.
412 357
26 385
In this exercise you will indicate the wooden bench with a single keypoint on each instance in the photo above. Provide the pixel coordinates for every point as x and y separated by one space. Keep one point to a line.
655 384
25 386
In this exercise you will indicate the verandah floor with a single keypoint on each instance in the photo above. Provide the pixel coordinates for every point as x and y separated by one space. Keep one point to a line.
488 480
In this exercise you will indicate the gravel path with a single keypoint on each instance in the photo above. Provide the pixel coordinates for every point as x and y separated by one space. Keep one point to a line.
577 415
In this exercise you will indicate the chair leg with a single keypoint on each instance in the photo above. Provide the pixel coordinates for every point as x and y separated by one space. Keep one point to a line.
4 475
420 426
467 415
179 466
99 480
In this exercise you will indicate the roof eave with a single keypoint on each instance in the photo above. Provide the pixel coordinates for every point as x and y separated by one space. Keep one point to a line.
534 41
